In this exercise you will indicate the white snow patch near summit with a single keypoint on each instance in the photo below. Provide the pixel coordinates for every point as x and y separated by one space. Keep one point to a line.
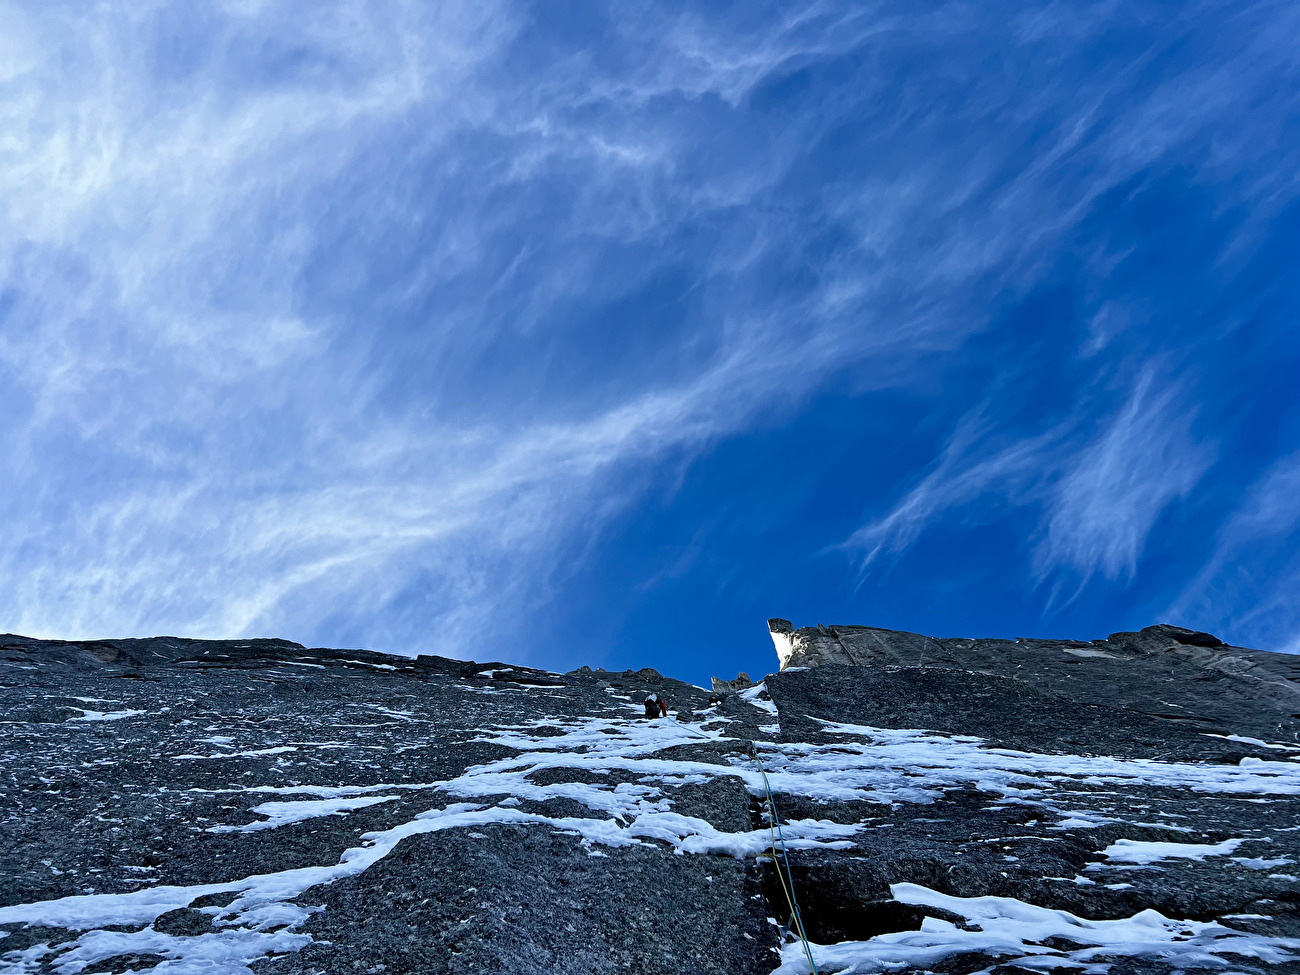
104 715
1260 863
333 791
296 810
751 694
255 753
917 765
1146 852
1258 743
1015 931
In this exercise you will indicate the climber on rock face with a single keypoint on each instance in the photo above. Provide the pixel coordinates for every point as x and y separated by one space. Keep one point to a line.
655 706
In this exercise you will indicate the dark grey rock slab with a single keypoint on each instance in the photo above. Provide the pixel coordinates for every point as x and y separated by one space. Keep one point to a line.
139 766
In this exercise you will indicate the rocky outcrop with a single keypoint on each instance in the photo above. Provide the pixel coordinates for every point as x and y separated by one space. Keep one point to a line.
741 682
1160 671
815 646
945 805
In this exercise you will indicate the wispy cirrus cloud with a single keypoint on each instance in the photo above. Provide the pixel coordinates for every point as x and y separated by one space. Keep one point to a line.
346 323
1099 495
969 470
1251 578
1103 507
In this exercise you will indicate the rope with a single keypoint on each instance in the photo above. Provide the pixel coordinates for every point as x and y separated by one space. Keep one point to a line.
774 832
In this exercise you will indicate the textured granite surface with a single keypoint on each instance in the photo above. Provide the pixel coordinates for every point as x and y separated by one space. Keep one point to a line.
489 818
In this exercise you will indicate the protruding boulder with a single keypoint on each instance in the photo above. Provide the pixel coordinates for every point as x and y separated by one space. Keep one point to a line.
808 646
816 646
1162 638
741 682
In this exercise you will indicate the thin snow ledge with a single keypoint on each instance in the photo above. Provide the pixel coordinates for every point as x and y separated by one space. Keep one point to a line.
1014 931
1144 852
297 810
87 715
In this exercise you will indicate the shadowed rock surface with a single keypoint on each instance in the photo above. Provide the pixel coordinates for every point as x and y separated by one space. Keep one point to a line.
187 805
1166 672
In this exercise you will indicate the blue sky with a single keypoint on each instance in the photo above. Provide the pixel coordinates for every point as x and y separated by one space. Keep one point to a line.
571 333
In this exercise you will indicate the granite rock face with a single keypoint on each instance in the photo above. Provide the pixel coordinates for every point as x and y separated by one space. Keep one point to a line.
946 805
1181 677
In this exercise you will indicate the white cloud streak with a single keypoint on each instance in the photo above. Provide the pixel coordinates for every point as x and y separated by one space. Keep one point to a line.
1099 498
967 471
1232 591
1105 504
